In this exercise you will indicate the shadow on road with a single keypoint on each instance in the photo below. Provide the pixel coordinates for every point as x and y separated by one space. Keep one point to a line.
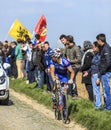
9 103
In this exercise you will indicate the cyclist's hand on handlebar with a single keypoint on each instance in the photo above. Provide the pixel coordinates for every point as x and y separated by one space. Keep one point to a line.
70 81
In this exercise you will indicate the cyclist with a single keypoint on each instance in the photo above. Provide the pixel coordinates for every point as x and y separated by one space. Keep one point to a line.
59 67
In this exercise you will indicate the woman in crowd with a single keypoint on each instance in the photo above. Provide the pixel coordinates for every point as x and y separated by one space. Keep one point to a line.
85 66
94 70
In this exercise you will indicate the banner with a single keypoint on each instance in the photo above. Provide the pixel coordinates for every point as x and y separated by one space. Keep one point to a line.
41 28
18 31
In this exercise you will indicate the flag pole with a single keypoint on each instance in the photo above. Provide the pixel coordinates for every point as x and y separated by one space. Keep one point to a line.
33 34
6 36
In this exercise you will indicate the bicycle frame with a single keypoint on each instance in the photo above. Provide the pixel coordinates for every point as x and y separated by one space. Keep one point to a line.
61 111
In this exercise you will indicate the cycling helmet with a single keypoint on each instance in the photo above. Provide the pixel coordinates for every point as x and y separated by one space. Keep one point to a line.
56 53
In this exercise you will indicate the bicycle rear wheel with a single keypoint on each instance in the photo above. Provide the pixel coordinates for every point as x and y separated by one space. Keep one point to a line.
64 111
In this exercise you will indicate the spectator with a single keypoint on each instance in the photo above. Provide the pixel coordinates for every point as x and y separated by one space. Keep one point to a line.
24 53
2 55
63 39
81 51
19 59
37 38
94 70
13 61
30 72
105 69
40 66
47 59
33 63
85 66
26 49
73 55
7 51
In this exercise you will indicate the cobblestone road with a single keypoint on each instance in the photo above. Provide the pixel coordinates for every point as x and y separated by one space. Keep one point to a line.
23 116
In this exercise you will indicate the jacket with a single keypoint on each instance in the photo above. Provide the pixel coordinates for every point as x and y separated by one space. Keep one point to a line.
95 64
47 58
37 58
18 52
86 65
73 53
105 60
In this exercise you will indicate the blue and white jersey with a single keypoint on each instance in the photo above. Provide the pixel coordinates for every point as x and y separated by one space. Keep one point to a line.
61 69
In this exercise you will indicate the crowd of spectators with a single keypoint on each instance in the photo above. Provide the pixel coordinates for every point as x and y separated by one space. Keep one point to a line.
31 60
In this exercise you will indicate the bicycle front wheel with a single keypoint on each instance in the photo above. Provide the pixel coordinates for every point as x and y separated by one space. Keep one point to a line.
64 111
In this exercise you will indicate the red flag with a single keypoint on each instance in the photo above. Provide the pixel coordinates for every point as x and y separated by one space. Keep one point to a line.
41 28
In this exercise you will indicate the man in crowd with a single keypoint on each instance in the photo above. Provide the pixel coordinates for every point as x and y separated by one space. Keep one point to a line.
105 69
47 59
73 55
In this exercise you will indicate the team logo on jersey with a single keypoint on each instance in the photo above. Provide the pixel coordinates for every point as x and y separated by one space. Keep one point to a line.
66 62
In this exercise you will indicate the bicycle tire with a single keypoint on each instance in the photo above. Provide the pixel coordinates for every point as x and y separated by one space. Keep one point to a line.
57 112
64 111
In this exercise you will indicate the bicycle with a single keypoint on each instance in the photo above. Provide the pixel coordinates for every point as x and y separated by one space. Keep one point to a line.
61 102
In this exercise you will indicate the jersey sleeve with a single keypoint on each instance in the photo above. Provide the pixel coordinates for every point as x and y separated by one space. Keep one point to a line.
51 63
66 62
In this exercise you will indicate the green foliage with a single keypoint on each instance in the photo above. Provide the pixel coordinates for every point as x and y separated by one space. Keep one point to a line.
81 110
29 89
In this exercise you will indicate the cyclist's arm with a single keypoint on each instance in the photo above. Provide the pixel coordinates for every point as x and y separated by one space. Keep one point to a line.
52 70
71 72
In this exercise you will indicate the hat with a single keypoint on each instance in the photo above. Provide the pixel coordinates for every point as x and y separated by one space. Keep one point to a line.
87 45
33 43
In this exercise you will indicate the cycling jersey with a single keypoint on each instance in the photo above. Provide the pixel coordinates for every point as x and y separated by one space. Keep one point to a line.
61 69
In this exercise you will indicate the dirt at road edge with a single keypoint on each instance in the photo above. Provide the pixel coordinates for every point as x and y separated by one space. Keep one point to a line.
42 109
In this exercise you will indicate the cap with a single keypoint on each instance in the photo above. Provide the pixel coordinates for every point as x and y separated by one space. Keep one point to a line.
33 43
87 45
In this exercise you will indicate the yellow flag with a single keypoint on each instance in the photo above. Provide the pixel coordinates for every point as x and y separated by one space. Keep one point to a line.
18 31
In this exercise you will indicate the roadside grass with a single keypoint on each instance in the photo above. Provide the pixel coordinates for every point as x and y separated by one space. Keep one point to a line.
81 110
